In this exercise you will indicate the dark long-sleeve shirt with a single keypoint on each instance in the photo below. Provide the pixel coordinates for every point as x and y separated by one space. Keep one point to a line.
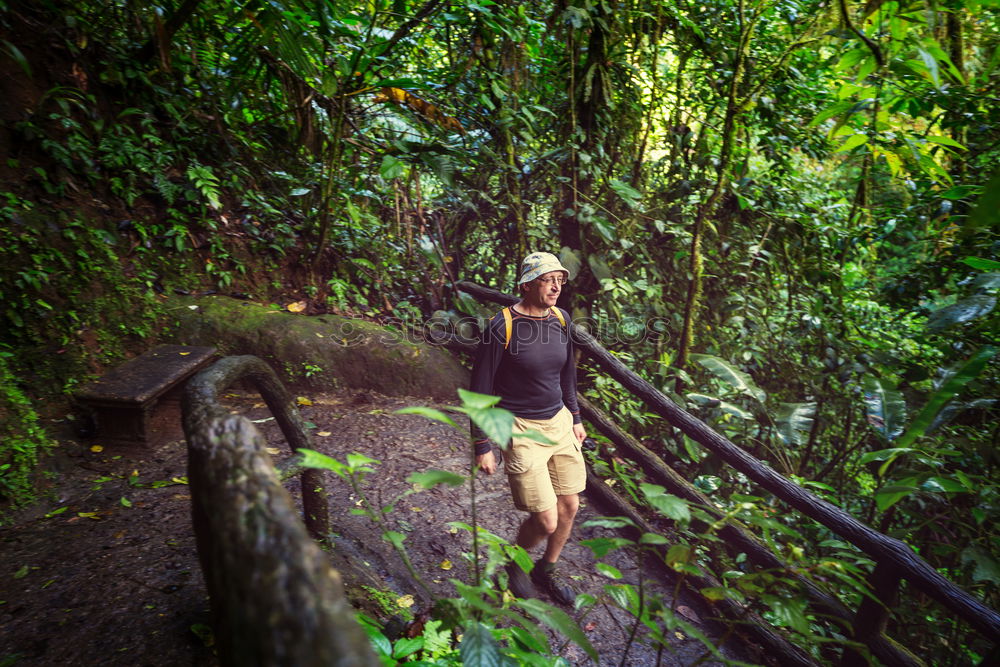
534 377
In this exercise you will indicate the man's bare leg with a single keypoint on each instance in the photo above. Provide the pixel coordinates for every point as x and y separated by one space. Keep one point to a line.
537 527
554 525
566 507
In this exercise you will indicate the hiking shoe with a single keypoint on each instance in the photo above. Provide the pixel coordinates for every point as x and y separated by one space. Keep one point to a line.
552 581
518 582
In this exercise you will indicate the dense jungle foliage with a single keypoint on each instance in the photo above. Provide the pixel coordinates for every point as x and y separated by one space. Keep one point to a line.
782 213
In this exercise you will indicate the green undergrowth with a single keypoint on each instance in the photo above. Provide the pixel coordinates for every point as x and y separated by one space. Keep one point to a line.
21 437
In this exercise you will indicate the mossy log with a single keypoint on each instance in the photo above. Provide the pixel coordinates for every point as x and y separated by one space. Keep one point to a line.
275 598
322 352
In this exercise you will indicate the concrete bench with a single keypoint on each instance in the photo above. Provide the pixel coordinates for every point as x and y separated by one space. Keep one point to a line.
122 402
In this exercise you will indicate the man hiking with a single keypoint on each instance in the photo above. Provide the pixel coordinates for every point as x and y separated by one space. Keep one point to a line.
525 356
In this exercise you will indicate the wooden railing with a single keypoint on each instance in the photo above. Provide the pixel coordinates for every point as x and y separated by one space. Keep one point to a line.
895 560
275 598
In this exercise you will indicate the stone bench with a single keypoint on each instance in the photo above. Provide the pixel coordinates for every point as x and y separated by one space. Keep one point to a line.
122 402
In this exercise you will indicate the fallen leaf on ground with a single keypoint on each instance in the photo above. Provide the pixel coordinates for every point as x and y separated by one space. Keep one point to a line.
296 307
406 601
446 564
97 449
273 451
323 434
302 400
688 613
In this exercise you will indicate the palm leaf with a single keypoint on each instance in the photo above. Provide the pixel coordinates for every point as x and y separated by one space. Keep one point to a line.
794 422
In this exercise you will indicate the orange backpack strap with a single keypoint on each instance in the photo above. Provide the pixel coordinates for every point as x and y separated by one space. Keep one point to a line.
508 325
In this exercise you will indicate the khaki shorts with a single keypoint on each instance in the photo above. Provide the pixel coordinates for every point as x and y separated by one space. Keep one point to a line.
538 473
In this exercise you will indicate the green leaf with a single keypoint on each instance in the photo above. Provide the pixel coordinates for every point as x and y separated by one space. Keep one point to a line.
939 484
314 459
604 228
608 522
789 612
608 571
733 376
406 646
853 141
667 504
602 545
391 167
471 399
432 478
18 57
890 495
794 421
969 370
884 407
570 259
987 569
987 211
379 641
478 648
359 462
496 423
945 141
629 195
430 413
890 454
298 192
965 310
982 264
831 111
394 538
559 621
599 267
931 63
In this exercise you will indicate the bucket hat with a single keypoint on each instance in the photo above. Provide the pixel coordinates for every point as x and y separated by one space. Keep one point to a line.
538 264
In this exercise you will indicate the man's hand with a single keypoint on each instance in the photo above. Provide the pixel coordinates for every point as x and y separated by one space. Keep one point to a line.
487 462
579 432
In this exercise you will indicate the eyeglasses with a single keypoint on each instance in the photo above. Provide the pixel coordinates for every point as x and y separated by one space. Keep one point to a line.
552 281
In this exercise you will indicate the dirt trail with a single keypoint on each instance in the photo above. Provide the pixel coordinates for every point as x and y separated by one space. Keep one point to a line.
113 579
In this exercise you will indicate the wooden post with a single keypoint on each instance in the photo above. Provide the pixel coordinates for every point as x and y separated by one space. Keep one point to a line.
873 616
275 598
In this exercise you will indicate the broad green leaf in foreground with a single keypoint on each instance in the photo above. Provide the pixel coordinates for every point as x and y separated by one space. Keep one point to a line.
478 648
558 620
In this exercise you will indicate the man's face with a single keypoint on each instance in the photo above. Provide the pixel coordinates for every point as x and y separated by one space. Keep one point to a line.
544 290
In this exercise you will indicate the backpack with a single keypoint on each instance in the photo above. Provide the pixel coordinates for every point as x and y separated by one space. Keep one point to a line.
508 322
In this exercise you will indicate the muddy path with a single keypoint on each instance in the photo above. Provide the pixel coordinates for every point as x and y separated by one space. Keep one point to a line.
105 571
